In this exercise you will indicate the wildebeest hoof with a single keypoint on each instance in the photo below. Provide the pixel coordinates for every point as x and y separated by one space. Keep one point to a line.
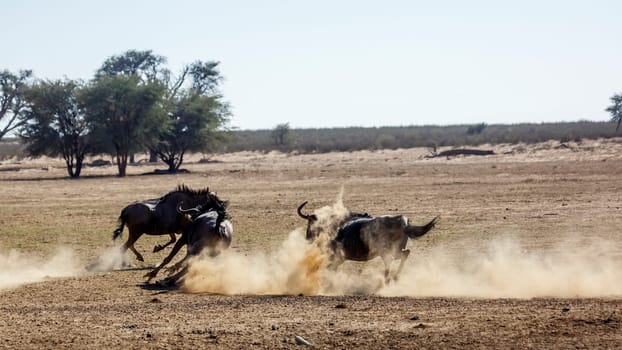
157 248
151 274
167 282
140 258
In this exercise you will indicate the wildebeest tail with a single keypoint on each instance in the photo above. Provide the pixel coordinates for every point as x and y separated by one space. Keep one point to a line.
117 233
418 231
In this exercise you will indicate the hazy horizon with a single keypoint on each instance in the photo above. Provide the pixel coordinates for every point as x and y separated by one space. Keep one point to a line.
13 135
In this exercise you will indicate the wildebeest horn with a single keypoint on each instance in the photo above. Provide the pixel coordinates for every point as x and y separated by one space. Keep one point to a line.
304 216
186 211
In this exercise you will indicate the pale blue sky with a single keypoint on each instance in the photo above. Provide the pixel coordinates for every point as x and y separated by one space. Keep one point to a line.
348 63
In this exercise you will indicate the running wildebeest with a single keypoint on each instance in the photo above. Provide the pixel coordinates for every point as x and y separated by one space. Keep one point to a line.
209 232
158 216
364 238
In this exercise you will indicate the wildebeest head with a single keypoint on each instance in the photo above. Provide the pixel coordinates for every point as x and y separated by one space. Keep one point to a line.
217 204
329 224
311 219
212 202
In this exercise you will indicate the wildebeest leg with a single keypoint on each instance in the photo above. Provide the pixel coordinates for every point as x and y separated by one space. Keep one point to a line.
159 247
404 253
132 238
337 256
172 280
387 259
180 243
177 265
139 256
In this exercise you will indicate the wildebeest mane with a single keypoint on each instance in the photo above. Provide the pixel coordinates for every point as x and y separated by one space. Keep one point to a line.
215 203
187 190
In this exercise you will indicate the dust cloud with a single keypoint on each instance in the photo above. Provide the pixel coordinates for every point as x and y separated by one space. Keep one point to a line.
110 259
503 268
17 268
293 269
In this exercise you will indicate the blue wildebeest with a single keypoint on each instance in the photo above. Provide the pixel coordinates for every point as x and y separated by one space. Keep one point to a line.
361 237
159 216
208 232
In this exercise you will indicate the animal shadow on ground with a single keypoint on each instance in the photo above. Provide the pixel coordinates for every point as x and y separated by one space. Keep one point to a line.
99 266
159 287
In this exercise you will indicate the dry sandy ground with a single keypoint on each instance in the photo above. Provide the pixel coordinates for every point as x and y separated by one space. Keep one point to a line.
528 253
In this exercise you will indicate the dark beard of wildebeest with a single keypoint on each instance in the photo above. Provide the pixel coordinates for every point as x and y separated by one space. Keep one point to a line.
210 232
361 237
159 216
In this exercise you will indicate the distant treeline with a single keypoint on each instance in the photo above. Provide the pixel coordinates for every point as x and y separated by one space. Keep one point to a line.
359 138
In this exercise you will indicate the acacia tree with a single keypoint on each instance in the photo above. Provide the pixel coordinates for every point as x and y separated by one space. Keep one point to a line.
191 105
12 102
123 112
55 123
616 109
196 113
146 65
195 126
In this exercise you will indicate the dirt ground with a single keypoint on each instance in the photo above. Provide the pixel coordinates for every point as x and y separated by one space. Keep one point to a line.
527 253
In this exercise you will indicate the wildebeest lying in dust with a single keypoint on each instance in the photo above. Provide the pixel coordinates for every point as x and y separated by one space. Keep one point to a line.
158 216
361 237
209 232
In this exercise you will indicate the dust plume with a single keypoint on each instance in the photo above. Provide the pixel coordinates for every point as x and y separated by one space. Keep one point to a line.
18 268
329 216
293 269
505 270
111 259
